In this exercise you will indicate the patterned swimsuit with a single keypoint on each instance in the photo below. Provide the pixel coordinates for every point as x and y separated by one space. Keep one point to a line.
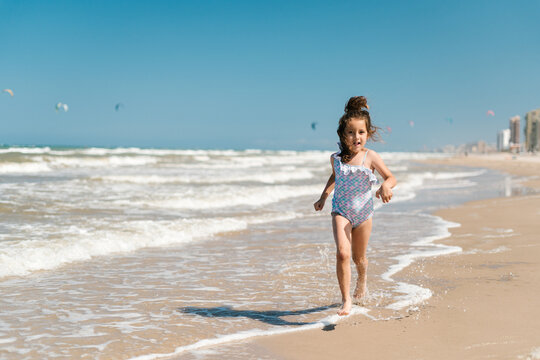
352 194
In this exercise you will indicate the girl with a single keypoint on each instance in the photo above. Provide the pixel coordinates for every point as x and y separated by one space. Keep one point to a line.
352 205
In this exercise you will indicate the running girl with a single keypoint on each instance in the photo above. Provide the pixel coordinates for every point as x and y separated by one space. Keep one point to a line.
352 204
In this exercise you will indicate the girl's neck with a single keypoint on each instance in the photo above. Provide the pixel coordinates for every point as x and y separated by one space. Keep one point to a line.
355 154
361 151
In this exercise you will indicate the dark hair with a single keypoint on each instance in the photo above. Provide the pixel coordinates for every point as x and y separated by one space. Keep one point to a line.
356 108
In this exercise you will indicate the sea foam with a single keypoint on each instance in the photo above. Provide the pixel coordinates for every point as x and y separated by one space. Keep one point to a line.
21 258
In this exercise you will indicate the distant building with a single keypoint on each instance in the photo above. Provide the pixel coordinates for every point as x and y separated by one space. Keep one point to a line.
481 146
532 130
514 133
503 140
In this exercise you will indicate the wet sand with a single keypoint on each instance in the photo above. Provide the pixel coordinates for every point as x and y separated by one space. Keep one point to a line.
485 299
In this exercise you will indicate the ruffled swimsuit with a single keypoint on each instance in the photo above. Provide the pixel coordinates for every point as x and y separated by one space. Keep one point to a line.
352 193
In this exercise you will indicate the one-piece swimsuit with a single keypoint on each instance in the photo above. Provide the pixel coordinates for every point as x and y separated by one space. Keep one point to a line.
352 193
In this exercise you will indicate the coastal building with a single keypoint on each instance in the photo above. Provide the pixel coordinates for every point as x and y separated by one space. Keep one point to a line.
481 146
532 130
503 140
514 133
478 147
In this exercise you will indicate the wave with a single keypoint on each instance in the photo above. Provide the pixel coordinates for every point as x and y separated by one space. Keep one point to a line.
110 161
412 182
25 150
23 167
227 196
96 151
177 159
451 185
265 177
414 294
451 175
390 156
243 335
22 258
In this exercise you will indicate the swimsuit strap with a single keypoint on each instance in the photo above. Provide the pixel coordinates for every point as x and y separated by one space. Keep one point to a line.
364 158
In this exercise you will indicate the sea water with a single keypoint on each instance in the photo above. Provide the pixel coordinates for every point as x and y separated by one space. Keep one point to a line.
148 253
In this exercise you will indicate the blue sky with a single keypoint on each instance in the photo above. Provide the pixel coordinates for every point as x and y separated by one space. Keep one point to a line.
247 74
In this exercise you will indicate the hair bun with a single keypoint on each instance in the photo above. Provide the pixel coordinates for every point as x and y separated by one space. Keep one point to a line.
356 104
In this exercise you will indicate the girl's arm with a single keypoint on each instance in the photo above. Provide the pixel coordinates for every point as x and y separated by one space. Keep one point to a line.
385 191
319 204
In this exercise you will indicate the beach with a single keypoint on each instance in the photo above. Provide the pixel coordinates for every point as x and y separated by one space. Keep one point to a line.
164 170
484 302
134 253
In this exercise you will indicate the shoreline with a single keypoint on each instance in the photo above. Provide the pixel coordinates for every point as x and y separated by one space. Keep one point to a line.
482 297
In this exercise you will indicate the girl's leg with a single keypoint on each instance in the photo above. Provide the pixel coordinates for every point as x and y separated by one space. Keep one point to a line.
342 236
360 238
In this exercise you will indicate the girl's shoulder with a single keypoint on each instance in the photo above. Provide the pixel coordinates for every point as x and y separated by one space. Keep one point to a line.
371 159
374 159
372 154
335 156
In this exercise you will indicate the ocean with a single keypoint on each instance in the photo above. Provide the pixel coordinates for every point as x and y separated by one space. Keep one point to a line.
127 253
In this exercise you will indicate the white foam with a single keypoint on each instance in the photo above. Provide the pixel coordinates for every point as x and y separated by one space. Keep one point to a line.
413 294
7 340
25 150
497 250
410 183
453 175
22 258
207 288
242 335
535 354
400 156
413 181
451 185
109 161
401 168
226 197
45 159
269 177
95 151
23 167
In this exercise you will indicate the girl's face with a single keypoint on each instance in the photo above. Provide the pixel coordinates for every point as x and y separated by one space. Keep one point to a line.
356 134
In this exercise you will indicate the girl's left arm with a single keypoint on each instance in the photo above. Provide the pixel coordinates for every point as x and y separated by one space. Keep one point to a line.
385 191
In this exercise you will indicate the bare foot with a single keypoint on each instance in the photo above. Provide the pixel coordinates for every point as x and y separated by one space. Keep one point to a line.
360 291
345 308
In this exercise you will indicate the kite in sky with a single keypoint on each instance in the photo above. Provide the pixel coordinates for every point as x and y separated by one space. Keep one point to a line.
118 106
9 91
490 112
389 129
411 123
61 106
314 125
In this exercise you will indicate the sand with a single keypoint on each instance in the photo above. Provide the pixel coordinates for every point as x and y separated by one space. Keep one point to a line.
485 301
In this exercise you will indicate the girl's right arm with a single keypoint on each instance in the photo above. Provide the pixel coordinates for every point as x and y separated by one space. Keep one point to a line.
319 204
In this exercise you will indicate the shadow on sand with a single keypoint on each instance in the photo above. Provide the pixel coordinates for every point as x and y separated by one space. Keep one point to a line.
269 317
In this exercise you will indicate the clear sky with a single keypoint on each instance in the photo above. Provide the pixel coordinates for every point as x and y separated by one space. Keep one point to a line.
253 74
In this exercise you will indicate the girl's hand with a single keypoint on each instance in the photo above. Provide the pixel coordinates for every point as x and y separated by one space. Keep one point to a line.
319 204
384 193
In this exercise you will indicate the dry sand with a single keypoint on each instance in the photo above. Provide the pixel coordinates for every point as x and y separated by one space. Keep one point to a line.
486 300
